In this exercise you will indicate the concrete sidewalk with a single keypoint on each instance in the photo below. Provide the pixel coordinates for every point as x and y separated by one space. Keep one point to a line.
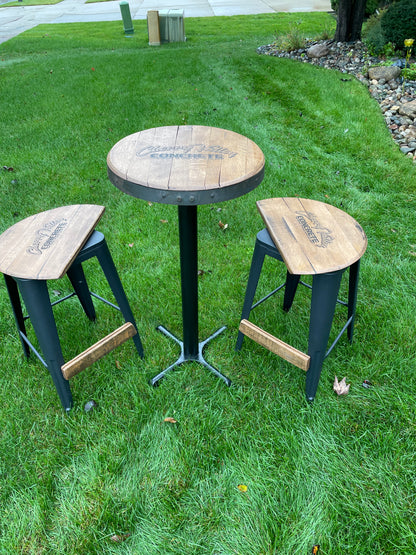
15 20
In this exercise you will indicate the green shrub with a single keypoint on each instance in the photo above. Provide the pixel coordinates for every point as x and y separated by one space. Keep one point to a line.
373 35
292 40
399 22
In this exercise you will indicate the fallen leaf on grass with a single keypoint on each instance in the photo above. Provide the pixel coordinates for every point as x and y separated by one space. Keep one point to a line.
118 365
222 226
120 537
242 487
341 388
163 221
170 420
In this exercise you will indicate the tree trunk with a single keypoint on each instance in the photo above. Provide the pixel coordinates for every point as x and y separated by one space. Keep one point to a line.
350 20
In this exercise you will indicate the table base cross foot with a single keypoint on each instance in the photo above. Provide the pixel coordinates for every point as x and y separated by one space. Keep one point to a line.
183 357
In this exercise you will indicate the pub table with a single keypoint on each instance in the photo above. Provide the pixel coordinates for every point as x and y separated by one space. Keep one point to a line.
187 166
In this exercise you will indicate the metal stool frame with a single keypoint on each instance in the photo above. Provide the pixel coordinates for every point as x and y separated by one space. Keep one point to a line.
325 289
36 299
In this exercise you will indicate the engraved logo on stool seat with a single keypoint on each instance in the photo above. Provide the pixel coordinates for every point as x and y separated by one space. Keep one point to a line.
317 234
46 236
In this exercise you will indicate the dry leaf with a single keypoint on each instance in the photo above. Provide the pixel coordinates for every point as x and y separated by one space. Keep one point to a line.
242 487
164 221
341 388
222 226
170 420
120 537
118 365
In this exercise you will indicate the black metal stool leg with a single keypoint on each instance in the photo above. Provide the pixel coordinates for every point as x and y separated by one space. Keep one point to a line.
106 261
292 282
352 296
79 283
253 279
36 298
325 289
17 310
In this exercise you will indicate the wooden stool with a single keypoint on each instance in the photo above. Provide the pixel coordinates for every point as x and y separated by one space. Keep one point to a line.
314 238
48 246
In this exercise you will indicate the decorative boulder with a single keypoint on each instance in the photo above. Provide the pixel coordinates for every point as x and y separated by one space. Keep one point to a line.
317 51
408 109
384 72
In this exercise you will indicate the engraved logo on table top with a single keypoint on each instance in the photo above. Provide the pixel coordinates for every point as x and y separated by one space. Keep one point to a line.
317 234
46 236
186 152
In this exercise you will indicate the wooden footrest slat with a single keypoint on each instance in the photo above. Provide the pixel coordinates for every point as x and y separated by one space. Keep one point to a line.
276 346
98 350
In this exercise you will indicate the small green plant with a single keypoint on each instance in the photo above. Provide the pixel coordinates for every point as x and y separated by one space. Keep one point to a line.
292 40
411 72
327 33
408 43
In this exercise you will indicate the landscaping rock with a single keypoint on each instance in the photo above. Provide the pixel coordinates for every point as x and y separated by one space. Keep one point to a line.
408 109
317 51
387 73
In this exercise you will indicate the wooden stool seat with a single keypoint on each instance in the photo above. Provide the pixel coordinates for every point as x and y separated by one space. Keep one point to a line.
43 246
47 246
313 238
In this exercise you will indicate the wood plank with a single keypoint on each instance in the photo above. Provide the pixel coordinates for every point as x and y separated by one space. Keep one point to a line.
98 350
153 27
43 246
275 345
313 237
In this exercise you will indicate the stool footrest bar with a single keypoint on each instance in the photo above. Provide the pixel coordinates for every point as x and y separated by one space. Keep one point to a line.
98 350
275 345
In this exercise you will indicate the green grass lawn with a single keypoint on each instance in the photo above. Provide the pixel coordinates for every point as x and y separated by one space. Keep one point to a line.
340 473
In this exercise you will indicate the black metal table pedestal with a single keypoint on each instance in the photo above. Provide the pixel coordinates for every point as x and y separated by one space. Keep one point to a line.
191 348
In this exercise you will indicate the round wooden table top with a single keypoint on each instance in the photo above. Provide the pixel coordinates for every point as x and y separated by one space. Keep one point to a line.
185 165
